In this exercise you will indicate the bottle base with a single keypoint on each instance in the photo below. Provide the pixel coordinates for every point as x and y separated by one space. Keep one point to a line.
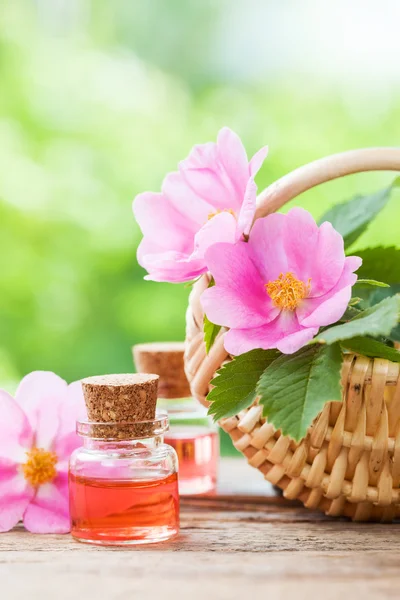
127 537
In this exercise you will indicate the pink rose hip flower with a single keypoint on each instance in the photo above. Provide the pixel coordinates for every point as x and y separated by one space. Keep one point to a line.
212 198
37 436
277 290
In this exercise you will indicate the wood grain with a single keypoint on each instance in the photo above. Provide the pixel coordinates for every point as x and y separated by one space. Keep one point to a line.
231 546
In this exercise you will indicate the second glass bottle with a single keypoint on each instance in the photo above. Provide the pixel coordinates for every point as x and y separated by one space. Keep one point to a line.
192 434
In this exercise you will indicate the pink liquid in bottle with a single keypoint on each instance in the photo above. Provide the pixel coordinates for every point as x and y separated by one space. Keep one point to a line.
197 448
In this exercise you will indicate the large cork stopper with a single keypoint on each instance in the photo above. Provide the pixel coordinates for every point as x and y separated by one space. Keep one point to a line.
165 359
122 400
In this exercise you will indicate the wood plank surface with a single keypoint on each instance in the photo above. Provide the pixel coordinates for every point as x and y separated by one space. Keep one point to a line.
235 545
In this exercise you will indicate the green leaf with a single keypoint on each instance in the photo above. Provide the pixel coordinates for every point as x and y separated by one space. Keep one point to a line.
381 263
295 387
376 320
350 313
210 329
235 383
394 335
354 301
371 282
352 218
376 296
370 347
210 333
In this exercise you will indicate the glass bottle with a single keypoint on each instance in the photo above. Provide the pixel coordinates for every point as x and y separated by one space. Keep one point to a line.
192 434
124 490
196 442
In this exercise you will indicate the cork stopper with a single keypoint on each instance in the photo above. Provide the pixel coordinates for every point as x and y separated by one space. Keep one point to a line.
122 400
165 359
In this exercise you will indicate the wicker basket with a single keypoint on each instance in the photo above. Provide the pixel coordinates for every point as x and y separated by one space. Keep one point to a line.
349 462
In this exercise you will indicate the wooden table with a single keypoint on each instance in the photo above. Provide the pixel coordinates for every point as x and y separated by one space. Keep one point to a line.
246 543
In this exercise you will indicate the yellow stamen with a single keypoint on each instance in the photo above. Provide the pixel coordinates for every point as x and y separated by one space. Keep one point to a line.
40 466
221 210
287 291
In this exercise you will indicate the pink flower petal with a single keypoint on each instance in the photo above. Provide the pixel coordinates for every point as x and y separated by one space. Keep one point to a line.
232 154
185 200
16 434
280 333
213 186
313 252
205 173
15 495
161 223
239 299
351 264
300 241
170 266
257 161
220 228
201 156
327 309
223 307
248 209
294 341
157 218
173 267
48 512
72 409
267 245
64 447
40 394
147 250
326 270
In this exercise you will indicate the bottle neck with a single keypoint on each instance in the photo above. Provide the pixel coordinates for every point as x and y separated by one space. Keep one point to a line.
123 446
123 436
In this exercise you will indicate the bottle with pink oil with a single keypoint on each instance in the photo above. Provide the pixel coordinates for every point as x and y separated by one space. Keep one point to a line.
192 434
123 481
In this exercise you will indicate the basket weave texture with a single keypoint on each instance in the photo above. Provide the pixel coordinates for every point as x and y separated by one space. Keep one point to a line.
349 462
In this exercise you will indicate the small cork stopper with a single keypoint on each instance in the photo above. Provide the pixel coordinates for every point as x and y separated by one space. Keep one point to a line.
121 399
165 359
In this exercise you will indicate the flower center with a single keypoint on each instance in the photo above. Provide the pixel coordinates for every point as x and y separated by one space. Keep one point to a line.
40 466
221 210
287 291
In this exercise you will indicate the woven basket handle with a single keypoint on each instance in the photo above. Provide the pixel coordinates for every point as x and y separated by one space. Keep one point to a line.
325 169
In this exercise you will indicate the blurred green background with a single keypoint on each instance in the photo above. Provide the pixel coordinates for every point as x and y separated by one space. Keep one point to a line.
99 99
